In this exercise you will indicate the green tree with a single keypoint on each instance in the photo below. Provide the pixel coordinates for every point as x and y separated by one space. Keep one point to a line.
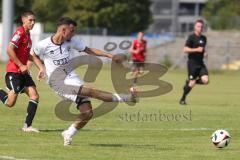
223 14
49 11
118 16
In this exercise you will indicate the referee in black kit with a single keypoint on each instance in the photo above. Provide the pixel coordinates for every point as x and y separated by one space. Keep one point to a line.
197 71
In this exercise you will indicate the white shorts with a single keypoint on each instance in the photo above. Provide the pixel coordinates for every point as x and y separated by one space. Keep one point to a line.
69 88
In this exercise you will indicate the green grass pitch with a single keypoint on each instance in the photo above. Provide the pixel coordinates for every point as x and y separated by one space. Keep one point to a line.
127 132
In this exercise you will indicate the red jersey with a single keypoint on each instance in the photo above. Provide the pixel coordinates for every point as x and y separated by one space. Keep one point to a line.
141 46
23 43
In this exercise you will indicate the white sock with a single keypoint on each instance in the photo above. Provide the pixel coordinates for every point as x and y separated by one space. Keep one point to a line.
72 130
122 97
117 98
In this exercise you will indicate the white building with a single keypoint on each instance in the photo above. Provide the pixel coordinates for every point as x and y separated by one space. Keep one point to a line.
175 15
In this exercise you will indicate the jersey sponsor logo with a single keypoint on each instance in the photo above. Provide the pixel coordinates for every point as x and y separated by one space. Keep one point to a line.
61 62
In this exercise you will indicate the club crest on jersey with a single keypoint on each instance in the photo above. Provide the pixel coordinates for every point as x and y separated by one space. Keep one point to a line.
51 52
201 41
191 77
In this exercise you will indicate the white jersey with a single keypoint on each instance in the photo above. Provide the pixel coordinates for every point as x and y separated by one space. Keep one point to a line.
56 55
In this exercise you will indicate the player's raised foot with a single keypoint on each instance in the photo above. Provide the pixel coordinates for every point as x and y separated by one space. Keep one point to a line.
67 140
30 129
182 102
3 96
133 92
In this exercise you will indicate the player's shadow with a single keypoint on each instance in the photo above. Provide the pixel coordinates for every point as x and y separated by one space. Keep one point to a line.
51 130
121 145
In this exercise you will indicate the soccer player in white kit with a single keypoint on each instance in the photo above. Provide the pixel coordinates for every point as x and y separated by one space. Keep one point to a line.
55 52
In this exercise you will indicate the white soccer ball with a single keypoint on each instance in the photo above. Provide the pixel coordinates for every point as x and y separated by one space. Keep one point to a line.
221 138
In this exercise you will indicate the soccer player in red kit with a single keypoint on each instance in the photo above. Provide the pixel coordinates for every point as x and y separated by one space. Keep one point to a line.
17 78
138 51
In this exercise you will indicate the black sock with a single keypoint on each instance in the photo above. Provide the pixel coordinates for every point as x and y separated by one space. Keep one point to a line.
31 111
186 90
3 96
199 81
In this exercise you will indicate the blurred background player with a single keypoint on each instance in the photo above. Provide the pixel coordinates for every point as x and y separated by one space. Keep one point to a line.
197 70
55 51
17 77
138 52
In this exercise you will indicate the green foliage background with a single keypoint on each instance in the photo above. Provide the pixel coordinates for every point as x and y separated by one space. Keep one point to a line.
223 14
119 17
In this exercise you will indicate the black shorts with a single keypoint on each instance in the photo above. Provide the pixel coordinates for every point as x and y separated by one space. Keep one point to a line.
17 81
137 65
196 70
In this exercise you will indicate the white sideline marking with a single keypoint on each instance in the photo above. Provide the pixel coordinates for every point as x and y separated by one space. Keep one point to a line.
9 158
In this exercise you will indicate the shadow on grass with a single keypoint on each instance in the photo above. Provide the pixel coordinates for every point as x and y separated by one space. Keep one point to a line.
121 145
51 130
144 146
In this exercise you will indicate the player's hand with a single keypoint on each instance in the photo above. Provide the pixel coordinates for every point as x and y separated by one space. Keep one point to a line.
109 56
41 75
119 58
23 69
199 49
137 51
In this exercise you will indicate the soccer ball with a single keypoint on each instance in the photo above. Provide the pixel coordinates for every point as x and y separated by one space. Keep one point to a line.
221 138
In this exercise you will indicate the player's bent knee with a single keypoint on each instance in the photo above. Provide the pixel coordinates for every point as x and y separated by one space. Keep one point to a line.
10 104
88 115
34 97
89 92
192 84
206 81
85 116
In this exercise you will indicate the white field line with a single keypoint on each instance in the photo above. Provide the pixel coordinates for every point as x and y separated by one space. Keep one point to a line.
9 158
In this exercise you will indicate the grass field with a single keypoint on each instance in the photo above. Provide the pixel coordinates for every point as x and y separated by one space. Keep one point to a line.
120 134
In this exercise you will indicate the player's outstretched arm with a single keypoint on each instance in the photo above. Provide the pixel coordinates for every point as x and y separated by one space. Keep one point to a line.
39 64
97 52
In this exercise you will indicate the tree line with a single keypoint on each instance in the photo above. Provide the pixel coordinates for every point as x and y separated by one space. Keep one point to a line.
119 17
